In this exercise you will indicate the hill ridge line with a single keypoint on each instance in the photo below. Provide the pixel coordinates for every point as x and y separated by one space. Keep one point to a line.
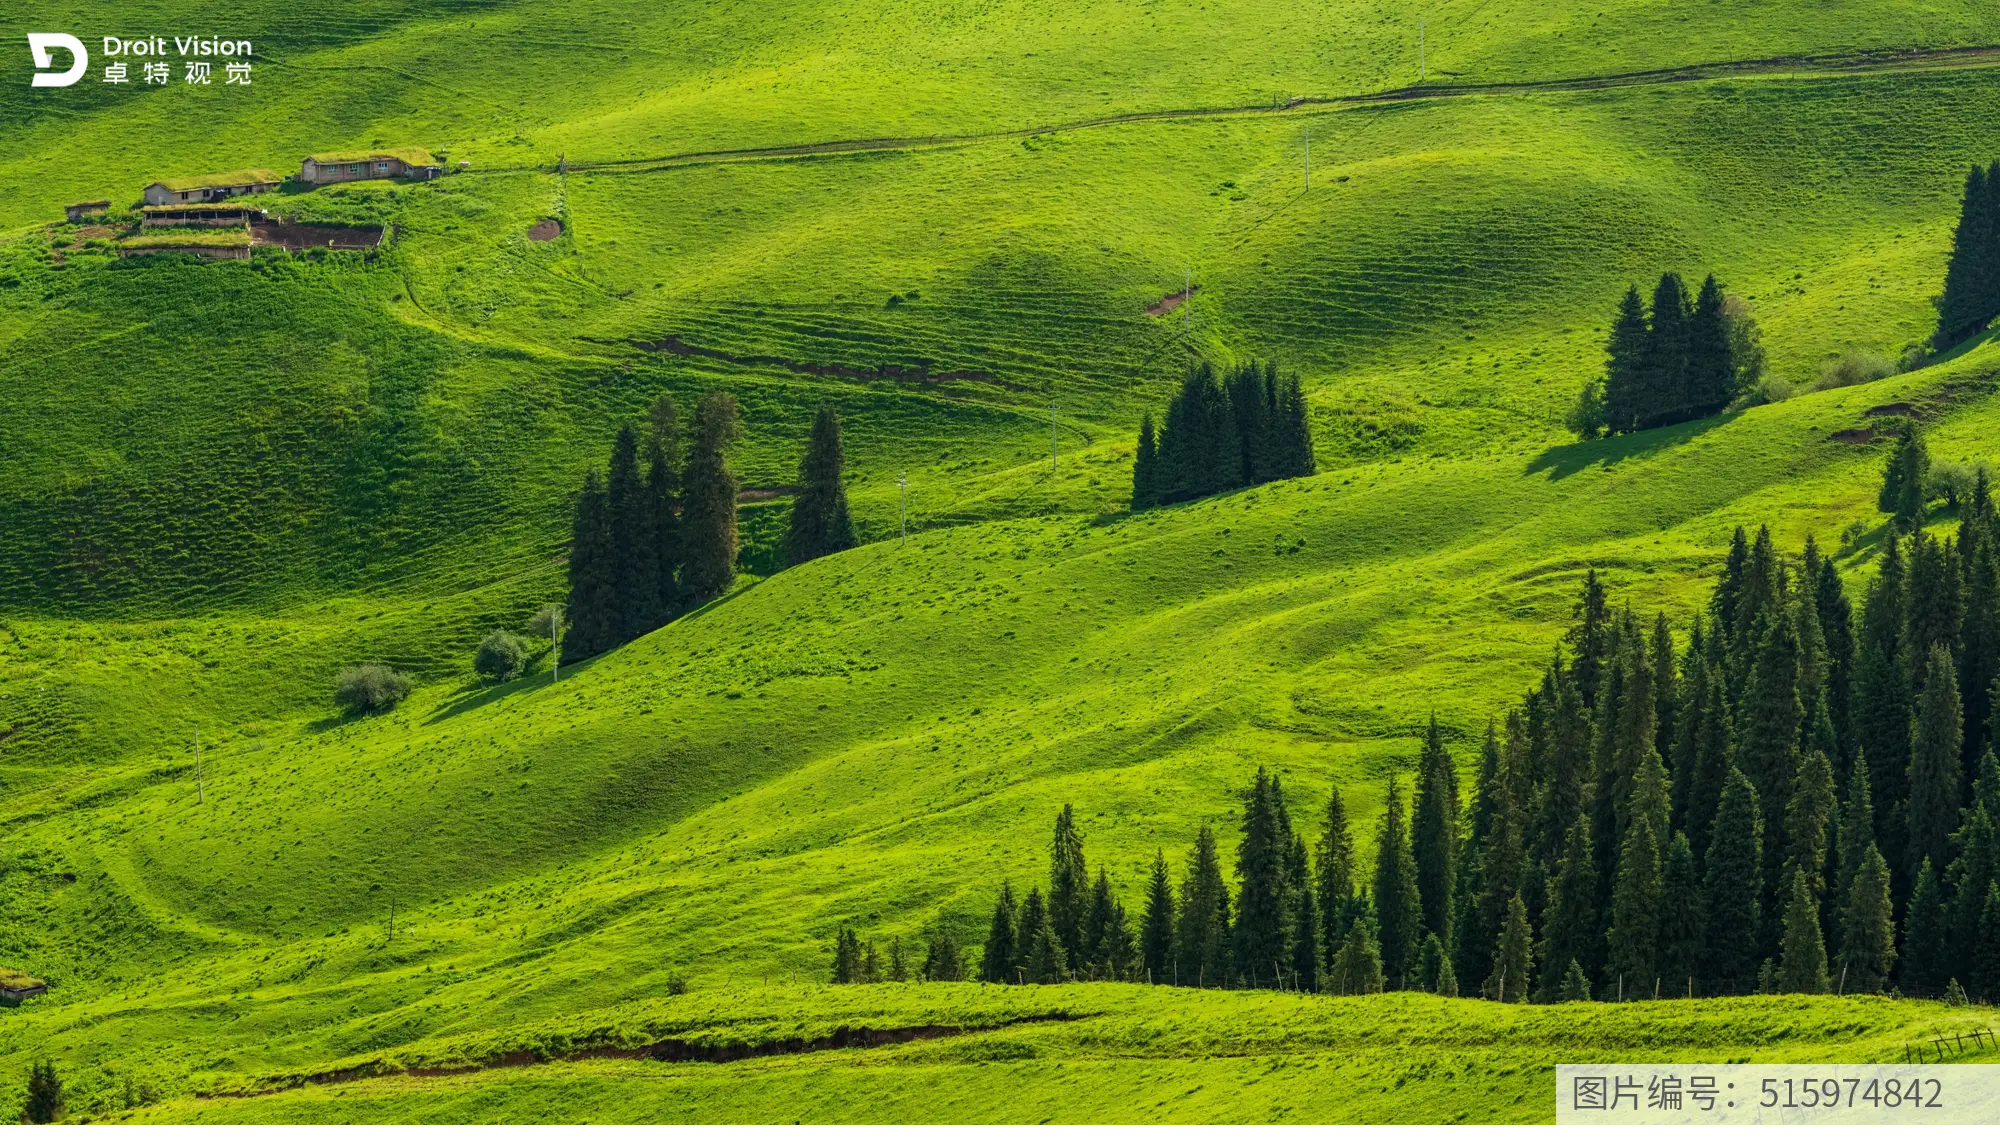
1849 63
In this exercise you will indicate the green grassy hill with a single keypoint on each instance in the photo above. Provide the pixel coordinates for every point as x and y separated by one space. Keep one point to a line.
220 482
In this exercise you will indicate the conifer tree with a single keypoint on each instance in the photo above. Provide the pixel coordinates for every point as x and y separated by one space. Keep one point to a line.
1204 917
1624 373
1711 373
1933 603
820 524
1294 425
1636 907
847 962
1447 982
1121 957
1971 295
1836 622
1145 467
1574 986
1434 833
708 511
1867 926
1803 967
899 964
1984 963
1001 940
1253 413
1714 756
1589 637
1156 932
636 552
1069 884
1729 589
1095 962
1029 941
662 503
1904 479
1497 859
1682 916
1976 865
1334 869
1979 631
1882 707
45 1094
1768 752
1305 947
592 607
1262 926
1926 954
1734 883
1808 821
1569 926
1666 691
1514 958
1357 968
1397 904
1562 797
1857 835
942 960
1665 363
1936 768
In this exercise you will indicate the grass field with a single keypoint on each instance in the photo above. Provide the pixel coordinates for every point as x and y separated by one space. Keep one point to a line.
224 481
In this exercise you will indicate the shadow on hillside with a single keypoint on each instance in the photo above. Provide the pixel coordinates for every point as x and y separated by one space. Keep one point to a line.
1567 459
475 694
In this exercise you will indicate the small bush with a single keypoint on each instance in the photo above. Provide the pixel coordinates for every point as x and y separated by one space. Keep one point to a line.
370 688
1854 367
547 622
499 657
1952 481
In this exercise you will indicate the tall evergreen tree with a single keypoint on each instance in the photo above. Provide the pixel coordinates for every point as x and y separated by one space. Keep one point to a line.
1336 885
1882 707
1625 388
708 512
1434 833
1971 295
1976 866
1001 940
1397 903
1711 373
636 553
1293 425
1033 934
1569 926
1156 931
1514 958
1305 946
592 609
1637 904
1867 925
1145 467
847 964
1836 622
1714 756
1203 952
1734 883
1926 952
1562 797
820 524
1808 822
1095 964
1802 970
1262 926
1857 837
1665 367
1253 413
1984 961
1589 637
1904 479
1357 966
1768 752
1069 884
663 504
1682 917
1666 690
1936 769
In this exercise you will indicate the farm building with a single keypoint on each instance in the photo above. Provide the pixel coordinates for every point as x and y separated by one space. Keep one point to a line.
16 987
205 215
353 166
209 187
78 211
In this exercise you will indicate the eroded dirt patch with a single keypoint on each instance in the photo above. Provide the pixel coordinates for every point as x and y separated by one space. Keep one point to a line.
548 229
297 236
1171 301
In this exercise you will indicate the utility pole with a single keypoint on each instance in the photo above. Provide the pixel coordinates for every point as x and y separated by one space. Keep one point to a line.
1420 50
1309 160
903 506
1052 439
555 641
1187 299
392 919
200 794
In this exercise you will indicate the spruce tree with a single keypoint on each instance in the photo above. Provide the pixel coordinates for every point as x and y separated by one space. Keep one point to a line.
1768 751
1001 940
1589 637
1808 821
1357 968
1711 374
708 511
1514 958
1121 957
1932 604
1666 689
592 608
1983 963
1431 962
1968 300
1926 953
1856 833
1497 860
1334 871
1979 631
1305 946
1252 413
1624 372
1682 917
1397 904
1156 931
1095 962
1562 797
847 969
1145 467
1882 707
899 963
1936 768
636 553
1570 931
1665 367
1904 479
1203 938
820 524
1836 622
45 1094
1069 884
1434 833
1294 425
1972 870
1803 967
1714 756
1262 926
1867 926
942 960
1573 986
1734 883
1033 934
663 503
1637 899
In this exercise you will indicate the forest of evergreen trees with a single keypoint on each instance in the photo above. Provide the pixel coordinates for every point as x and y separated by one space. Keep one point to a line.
1250 428
1681 359
1802 798
1971 296
646 548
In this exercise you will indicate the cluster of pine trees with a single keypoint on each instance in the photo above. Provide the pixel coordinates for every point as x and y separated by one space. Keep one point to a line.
858 963
1803 799
1679 360
1971 296
645 548
1247 429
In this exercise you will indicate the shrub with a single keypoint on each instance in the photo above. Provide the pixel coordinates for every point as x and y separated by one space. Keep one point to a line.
1854 367
1952 481
370 688
500 656
547 622
1586 416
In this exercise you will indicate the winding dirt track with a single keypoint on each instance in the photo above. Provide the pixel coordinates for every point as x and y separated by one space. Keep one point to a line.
1857 63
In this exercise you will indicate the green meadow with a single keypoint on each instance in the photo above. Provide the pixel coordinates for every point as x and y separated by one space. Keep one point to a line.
223 481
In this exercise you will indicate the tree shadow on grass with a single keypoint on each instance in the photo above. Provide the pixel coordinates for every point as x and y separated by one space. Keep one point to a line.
475 694
1567 459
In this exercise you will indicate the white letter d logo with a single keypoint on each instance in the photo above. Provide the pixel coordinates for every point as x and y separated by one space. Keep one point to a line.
41 42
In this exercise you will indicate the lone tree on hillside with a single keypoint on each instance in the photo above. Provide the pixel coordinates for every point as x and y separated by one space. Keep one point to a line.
1904 479
708 512
370 688
499 657
1971 296
820 525
45 1095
